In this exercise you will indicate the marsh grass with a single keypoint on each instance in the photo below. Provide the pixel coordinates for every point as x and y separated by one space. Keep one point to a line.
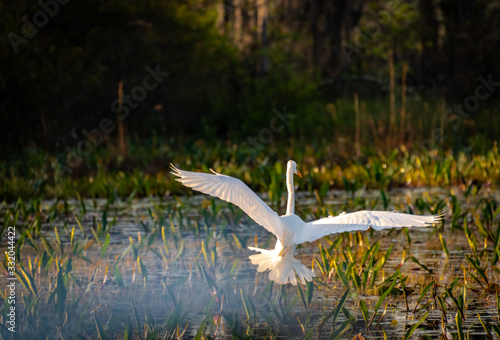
164 268
114 253
105 175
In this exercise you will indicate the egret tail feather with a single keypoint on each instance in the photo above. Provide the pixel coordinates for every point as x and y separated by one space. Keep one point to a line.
282 269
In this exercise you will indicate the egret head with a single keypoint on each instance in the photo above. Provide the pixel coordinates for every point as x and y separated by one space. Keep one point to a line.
292 166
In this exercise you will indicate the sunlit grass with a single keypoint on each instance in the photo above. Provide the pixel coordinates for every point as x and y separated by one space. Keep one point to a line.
146 172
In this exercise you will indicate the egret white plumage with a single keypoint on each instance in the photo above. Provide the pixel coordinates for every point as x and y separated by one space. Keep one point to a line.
290 229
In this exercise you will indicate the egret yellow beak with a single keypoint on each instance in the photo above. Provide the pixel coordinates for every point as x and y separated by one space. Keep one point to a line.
299 174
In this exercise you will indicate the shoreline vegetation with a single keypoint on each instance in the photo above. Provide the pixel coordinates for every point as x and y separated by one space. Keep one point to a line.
145 171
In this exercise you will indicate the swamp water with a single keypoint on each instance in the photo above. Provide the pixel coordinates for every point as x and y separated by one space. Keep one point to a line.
179 267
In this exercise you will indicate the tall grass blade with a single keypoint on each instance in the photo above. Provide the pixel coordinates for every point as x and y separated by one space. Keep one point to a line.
403 288
60 292
164 238
381 299
458 320
414 327
496 330
426 289
335 313
118 277
79 224
421 265
248 305
105 245
339 332
443 244
364 312
310 291
442 306
100 330
339 307
486 329
302 297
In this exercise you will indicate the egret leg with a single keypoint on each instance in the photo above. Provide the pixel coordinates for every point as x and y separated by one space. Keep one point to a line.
270 291
281 296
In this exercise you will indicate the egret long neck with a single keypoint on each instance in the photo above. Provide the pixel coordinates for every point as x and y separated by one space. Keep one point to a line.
290 207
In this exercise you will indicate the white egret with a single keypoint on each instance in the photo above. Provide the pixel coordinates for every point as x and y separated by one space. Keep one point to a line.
290 229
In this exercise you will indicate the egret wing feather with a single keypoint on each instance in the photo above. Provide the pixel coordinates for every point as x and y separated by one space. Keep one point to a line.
361 220
232 190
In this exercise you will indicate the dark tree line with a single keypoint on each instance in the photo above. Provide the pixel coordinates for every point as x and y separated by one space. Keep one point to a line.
229 61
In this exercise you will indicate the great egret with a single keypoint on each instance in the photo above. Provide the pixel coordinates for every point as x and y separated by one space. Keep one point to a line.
290 229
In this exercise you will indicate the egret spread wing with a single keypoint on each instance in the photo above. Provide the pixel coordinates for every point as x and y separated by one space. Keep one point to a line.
231 190
361 220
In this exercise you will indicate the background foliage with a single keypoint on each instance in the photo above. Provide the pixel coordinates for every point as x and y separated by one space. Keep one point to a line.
232 63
